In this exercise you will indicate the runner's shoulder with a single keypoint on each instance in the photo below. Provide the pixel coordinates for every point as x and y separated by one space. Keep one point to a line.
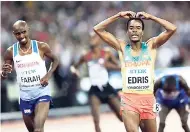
9 50
121 44
150 42
42 45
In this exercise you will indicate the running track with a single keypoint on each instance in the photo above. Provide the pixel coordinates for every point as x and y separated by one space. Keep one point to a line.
109 123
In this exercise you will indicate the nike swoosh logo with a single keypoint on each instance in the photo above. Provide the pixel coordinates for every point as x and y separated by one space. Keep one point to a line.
42 99
18 61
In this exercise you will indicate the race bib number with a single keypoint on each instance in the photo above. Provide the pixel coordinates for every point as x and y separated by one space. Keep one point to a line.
138 78
156 108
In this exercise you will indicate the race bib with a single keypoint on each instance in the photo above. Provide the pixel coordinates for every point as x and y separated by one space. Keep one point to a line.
156 108
138 79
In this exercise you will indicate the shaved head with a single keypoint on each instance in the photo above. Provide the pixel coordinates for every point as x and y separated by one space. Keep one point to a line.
21 31
18 24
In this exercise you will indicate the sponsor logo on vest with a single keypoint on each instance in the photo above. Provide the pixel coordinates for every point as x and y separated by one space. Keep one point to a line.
17 61
28 72
27 65
42 100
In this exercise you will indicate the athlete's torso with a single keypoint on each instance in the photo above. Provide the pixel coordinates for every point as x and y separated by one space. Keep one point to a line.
138 71
30 69
97 72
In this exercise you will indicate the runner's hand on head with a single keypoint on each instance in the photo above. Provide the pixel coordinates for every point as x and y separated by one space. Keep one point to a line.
127 14
143 15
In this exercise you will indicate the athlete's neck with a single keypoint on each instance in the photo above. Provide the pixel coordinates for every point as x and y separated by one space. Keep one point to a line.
136 46
25 46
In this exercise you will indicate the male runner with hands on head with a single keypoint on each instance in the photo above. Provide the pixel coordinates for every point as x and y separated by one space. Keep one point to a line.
137 67
28 58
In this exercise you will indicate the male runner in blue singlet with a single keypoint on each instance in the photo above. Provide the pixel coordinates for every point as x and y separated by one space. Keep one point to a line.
172 92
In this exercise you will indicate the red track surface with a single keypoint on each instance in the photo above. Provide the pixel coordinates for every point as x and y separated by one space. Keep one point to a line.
109 123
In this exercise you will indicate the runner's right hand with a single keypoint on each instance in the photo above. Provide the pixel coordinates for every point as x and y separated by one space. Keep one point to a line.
6 68
127 14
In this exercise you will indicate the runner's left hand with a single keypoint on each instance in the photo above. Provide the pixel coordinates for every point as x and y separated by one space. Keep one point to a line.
143 15
44 80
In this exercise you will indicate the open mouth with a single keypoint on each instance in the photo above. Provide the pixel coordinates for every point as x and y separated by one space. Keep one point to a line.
134 36
23 40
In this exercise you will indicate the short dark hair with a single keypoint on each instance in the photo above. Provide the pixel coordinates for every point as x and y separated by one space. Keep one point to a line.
137 19
170 80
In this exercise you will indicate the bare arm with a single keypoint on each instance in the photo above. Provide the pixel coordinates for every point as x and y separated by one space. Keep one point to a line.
109 38
113 58
164 36
7 65
170 29
157 85
183 84
112 62
48 53
74 67
80 62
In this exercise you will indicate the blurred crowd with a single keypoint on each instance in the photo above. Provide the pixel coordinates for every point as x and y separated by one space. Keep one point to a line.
66 25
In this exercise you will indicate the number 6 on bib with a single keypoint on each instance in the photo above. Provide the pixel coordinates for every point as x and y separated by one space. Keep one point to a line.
156 107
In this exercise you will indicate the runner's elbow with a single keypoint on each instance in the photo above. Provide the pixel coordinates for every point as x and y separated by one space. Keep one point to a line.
173 29
97 29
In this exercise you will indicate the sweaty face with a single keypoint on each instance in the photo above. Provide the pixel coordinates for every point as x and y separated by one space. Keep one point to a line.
21 34
135 31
